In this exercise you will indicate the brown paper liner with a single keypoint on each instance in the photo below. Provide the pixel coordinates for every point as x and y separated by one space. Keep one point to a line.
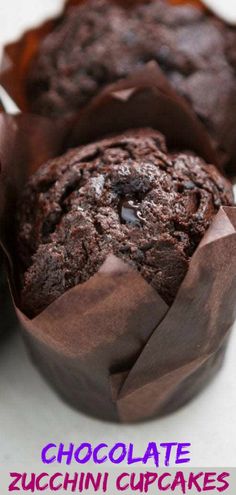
7 313
111 346
144 99
26 141
2 279
18 55
23 147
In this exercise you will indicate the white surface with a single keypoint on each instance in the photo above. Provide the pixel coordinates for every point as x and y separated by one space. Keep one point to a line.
224 8
31 415
16 15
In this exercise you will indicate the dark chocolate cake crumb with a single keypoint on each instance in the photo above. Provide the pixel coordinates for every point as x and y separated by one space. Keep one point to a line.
99 42
125 195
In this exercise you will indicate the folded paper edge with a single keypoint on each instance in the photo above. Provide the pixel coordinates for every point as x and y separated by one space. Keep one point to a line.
223 224
118 380
111 266
215 237
120 266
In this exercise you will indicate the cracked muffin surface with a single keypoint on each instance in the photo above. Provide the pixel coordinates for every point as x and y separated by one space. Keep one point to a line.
99 42
125 195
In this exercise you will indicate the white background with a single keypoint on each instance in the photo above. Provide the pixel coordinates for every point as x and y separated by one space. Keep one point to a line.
31 415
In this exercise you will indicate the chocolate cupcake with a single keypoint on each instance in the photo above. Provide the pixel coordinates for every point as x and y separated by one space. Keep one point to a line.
99 42
96 230
126 195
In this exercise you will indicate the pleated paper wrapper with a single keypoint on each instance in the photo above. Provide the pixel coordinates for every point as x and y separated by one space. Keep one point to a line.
6 309
18 55
111 346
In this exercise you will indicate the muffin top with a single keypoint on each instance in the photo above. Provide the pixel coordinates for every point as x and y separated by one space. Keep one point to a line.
125 195
99 42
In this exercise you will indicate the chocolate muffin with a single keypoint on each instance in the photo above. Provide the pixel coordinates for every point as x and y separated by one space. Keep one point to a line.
126 195
99 42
